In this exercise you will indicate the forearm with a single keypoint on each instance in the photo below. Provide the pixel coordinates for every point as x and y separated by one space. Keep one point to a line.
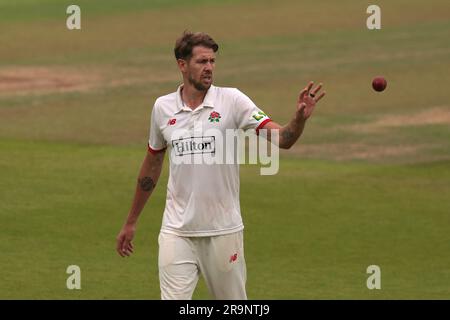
290 133
146 182
287 135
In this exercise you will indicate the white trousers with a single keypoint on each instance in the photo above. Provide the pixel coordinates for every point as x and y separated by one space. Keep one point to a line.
219 259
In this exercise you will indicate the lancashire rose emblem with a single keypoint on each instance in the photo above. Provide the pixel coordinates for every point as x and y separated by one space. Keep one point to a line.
214 116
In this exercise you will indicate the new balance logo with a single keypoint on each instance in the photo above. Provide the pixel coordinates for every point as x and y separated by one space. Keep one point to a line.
233 258
171 122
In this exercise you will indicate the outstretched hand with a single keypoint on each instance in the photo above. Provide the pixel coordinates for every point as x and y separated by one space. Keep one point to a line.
307 101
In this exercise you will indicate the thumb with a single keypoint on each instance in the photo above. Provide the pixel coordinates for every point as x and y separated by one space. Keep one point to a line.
301 107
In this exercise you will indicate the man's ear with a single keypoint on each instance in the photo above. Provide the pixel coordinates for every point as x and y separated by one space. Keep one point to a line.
182 65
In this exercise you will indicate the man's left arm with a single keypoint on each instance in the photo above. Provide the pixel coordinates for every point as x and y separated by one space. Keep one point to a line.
290 133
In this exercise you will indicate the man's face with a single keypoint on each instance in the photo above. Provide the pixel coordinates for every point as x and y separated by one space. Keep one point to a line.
199 69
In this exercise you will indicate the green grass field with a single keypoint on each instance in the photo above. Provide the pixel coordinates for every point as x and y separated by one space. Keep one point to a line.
368 184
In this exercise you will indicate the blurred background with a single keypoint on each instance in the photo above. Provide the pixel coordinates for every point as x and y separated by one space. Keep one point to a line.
368 184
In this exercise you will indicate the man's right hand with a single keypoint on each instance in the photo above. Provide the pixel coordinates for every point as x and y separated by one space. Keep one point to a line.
124 245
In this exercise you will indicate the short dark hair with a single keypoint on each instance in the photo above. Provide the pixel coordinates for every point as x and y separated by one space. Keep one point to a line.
189 40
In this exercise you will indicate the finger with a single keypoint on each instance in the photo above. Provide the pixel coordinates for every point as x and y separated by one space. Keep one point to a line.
125 245
302 94
316 89
130 248
309 86
119 246
321 96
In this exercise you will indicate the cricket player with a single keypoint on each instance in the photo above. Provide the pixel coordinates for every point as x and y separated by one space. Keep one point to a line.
202 229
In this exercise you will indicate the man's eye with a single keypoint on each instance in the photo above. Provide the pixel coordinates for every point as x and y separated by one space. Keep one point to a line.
206 61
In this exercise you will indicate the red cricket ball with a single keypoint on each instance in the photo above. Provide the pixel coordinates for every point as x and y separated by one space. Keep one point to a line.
379 83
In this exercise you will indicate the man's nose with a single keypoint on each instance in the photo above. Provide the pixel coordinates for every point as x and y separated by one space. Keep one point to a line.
209 66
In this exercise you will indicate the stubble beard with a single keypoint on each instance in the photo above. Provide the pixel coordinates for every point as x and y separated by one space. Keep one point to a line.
198 85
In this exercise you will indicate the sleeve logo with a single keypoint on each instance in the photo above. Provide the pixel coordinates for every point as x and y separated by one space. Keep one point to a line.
259 115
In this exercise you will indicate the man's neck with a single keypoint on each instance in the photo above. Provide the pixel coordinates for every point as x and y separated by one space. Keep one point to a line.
191 96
